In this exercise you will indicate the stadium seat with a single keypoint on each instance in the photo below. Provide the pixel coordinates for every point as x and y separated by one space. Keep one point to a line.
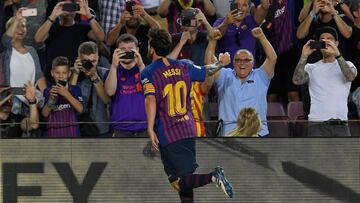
278 126
275 109
295 110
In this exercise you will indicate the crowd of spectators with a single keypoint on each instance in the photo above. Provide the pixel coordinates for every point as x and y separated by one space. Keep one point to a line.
69 61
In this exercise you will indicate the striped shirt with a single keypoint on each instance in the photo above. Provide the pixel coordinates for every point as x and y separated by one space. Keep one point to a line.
170 82
197 104
62 119
110 13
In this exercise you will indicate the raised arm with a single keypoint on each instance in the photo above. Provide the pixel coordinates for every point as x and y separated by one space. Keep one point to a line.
305 11
348 71
139 10
209 8
344 29
271 57
43 32
304 27
224 60
209 57
18 19
261 11
30 93
111 80
185 36
163 8
300 75
96 33
115 32
345 8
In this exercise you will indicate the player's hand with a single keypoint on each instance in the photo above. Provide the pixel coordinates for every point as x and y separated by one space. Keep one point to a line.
154 139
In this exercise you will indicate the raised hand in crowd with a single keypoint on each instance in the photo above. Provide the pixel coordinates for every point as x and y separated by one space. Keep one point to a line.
116 58
214 34
201 19
257 33
138 59
84 8
57 11
317 6
30 92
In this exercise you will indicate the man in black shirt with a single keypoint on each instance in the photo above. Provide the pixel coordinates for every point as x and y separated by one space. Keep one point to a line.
63 37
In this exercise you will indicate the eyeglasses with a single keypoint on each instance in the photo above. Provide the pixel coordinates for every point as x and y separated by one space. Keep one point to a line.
237 40
248 60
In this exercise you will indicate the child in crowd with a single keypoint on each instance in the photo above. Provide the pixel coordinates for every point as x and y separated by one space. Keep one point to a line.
248 124
62 102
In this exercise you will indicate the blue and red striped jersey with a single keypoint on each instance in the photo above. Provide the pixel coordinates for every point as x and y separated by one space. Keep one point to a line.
170 82
63 118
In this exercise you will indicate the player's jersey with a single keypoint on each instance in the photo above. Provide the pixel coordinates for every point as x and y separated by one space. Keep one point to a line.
170 82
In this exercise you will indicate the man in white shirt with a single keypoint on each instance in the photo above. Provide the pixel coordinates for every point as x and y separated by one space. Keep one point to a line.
329 85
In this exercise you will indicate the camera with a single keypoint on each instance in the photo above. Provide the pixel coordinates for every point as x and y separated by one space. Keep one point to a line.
62 83
71 7
87 64
317 45
128 55
129 5
188 18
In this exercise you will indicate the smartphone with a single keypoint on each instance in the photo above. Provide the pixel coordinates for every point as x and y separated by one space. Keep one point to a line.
234 6
62 83
17 90
128 55
71 7
317 45
129 5
29 12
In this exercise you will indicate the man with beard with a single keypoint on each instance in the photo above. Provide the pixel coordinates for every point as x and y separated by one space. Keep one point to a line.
123 85
329 85
63 37
131 23
237 25
323 14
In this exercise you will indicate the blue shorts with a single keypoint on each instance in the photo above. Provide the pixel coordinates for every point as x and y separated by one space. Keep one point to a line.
179 158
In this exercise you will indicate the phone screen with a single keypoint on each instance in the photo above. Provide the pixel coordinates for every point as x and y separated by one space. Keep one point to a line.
29 12
62 83
17 90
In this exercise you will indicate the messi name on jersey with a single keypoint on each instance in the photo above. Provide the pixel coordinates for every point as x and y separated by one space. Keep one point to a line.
171 72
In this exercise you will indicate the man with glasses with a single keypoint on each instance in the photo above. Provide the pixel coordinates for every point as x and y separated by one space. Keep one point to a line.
244 86
237 25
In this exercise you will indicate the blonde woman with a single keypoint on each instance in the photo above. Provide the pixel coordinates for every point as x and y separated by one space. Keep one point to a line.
248 124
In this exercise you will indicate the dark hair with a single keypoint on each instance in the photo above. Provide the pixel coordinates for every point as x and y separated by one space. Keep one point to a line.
160 40
354 5
60 61
126 38
88 48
